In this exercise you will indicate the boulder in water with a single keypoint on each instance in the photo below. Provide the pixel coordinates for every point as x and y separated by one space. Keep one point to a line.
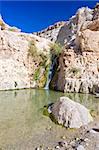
70 114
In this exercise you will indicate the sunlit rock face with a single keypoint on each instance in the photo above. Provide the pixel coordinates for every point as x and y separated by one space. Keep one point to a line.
96 12
51 32
78 72
89 41
78 69
23 58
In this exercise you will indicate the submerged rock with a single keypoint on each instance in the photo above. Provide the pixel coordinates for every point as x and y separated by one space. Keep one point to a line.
70 114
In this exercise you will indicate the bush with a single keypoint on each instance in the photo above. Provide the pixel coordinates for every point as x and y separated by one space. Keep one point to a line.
32 51
56 49
43 62
36 75
12 29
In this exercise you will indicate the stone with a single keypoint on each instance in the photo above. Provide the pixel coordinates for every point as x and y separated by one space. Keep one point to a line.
80 147
70 114
57 147
63 143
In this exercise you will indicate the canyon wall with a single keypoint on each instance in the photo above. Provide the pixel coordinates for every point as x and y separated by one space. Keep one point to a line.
78 69
25 59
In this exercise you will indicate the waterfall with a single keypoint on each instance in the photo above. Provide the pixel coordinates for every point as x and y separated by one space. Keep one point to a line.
50 74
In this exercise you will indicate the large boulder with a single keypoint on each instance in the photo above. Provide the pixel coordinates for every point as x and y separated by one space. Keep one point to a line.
70 114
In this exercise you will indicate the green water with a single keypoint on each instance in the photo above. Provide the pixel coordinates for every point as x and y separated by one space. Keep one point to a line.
22 123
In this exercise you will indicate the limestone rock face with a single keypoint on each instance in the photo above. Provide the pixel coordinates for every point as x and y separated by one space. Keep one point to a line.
96 12
78 69
51 32
89 41
70 114
93 25
78 72
23 58
65 32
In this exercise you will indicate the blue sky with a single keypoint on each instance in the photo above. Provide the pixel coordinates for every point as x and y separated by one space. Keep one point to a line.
31 16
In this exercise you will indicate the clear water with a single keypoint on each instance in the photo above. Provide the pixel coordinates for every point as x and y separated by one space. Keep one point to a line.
22 123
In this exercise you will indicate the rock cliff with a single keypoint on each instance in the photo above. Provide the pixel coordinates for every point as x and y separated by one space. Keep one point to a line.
78 69
51 32
24 60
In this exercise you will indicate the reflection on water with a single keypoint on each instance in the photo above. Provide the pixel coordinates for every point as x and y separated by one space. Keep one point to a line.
21 114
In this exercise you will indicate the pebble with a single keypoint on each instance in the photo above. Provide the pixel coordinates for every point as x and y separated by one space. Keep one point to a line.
63 143
86 140
49 128
57 147
72 143
92 131
63 137
37 148
80 147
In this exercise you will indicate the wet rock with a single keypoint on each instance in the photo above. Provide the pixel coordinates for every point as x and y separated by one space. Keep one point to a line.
70 114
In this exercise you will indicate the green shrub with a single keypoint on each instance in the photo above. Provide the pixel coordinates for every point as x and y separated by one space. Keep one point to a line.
32 51
56 49
36 75
37 56
12 29
42 60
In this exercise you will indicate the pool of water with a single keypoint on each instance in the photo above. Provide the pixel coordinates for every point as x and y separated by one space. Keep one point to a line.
22 123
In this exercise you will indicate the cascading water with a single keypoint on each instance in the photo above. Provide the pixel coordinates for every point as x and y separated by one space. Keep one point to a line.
50 73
